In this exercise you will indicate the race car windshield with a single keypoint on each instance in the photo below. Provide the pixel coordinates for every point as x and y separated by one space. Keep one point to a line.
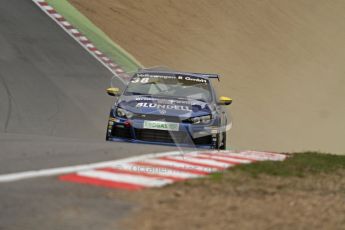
176 86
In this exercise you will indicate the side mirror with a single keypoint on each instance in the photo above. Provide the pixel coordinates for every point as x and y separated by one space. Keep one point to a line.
224 100
113 92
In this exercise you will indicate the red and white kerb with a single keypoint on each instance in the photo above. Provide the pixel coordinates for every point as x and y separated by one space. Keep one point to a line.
163 170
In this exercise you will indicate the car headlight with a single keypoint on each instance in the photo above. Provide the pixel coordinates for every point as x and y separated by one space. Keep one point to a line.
123 113
201 120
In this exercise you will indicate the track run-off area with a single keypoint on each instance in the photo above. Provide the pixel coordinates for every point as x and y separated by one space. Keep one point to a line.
52 126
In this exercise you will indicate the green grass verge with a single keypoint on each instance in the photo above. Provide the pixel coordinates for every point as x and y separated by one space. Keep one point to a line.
298 165
97 36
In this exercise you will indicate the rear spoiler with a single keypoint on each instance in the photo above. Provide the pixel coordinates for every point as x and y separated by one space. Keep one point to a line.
162 70
210 76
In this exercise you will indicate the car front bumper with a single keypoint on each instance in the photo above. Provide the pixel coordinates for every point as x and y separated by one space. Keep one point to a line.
187 135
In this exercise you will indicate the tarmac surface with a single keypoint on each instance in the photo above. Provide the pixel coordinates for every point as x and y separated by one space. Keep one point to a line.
53 113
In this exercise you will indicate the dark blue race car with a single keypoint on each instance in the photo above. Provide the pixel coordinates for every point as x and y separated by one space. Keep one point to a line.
166 107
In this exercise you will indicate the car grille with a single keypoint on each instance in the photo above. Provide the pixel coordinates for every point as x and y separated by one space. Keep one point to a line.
161 135
181 137
121 132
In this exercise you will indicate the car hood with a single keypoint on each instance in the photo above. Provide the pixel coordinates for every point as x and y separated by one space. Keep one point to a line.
164 106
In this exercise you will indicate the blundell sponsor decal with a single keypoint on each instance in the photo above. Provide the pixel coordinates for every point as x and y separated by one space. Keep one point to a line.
162 106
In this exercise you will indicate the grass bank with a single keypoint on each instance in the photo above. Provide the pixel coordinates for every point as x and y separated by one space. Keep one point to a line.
299 164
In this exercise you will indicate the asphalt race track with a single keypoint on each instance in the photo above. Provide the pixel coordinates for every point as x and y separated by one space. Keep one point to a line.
53 114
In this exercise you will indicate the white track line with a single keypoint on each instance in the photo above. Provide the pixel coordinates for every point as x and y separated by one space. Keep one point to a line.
125 178
71 169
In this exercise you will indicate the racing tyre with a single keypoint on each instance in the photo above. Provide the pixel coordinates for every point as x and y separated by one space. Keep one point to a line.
223 143
107 138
